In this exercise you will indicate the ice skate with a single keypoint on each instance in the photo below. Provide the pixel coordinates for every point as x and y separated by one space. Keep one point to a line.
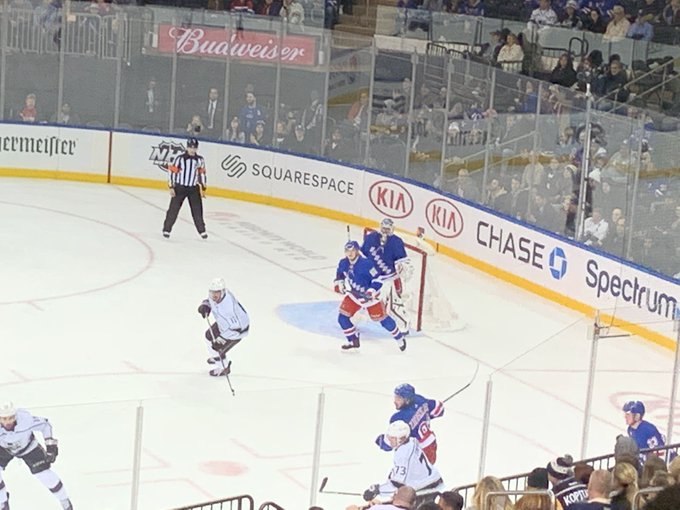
402 344
219 371
353 344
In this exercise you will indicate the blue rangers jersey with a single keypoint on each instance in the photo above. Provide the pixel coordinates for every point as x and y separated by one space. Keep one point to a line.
646 435
418 416
359 276
384 256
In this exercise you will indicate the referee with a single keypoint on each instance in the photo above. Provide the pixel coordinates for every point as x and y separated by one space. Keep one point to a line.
186 179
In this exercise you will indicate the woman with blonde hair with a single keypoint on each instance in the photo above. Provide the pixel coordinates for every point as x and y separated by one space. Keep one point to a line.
624 486
485 486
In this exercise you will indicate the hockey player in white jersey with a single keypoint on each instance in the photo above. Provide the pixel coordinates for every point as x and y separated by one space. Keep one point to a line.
18 440
411 467
230 327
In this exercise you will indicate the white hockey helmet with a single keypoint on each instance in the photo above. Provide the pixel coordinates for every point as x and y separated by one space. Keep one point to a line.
7 409
387 227
398 429
217 285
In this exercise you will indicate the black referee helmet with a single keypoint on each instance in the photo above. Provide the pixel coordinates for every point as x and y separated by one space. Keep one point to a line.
192 142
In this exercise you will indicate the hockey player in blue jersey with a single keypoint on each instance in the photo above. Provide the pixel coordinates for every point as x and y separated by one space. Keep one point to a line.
358 279
387 252
644 433
417 411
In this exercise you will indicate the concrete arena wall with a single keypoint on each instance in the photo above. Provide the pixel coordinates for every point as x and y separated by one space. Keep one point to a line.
540 262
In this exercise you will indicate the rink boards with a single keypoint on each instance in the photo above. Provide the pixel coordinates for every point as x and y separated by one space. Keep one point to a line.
538 261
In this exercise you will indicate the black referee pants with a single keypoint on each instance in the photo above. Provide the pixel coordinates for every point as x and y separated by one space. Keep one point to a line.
193 193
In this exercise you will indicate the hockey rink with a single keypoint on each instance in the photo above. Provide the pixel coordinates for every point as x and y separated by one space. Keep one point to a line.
98 316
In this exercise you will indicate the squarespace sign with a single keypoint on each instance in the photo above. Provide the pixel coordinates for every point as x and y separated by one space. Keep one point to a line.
235 168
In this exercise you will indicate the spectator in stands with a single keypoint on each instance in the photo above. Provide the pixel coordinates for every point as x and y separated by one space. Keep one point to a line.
598 492
582 472
652 465
651 10
298 142
544 215
312 119
553 178
451 500
537 480
195 126
571 17
358 112
519 199
671 13
624 486
29 113
293 12
595 229
425 98
65 116
241 5
234 133
270 8
498 40
250 114
564 74
472 8
615 243
544 15
211 110
257 138
152 103
497 197
612 84
511 54
667 499
402 96
465 187
280 134
618 27
594 22
565 487
483 487
337 147
534 173
648 253
641 28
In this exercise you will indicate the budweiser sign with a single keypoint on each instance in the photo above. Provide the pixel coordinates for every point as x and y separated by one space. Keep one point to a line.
240 44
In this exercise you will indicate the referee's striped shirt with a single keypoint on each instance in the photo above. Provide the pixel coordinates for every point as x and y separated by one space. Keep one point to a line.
187 171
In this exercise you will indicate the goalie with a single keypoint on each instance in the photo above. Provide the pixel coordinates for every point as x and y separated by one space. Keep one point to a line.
388 253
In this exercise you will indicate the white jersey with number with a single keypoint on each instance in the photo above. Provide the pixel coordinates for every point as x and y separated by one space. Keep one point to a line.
230 316
21 439
411 468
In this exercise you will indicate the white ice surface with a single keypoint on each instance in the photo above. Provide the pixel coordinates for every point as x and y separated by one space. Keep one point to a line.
98 314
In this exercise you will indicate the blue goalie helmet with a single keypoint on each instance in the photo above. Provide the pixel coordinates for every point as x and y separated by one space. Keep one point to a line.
634 407
352 245
405 391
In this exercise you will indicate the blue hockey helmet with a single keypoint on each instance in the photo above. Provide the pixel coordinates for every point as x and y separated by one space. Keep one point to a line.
405 391
192 143
634 407
352 245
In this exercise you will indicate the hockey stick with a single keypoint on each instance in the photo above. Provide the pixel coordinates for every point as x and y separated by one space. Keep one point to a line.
233 393
341 493
474 376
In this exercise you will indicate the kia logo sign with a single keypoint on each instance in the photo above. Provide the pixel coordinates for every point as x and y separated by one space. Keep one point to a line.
444 218
391 199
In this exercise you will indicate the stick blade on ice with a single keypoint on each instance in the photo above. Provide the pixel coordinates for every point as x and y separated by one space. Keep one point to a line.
323 484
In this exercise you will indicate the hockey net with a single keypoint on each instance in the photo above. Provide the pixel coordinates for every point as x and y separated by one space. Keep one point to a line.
426 305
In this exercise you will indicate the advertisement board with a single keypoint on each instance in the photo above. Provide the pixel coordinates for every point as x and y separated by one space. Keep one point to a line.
246 45
53 149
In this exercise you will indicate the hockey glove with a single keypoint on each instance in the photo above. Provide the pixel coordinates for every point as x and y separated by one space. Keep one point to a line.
372 294
340 286
398 286
220 341
372 492
52 450
204 308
